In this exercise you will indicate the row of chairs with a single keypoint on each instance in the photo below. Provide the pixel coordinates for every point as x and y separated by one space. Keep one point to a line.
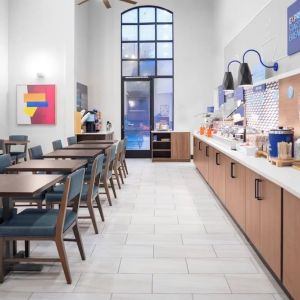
81 189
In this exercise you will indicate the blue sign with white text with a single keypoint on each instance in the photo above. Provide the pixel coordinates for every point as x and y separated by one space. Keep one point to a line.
294 28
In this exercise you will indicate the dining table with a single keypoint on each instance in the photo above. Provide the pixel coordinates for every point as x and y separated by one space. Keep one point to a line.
74 154
22 185
101 147
48 166
98 142
8 143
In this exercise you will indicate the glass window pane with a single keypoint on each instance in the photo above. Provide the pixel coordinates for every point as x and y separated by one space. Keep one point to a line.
147 50
147 68
147 15
130 17
147 32
164 32
165 68
163 102
164 50
129 33
130 68
129 50
164 16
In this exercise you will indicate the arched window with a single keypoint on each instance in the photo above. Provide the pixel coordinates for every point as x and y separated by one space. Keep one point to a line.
147 55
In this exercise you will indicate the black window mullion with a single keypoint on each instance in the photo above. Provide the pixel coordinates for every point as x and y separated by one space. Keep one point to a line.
138 24
155 41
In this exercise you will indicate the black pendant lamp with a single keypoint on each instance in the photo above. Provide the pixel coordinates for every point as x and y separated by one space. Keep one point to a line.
228 83
245 75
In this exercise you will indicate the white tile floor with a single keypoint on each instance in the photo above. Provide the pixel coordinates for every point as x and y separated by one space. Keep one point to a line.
165 238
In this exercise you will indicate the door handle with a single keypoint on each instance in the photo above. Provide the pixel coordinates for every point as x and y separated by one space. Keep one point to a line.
257 190
231 170
218 159
200 146
206 151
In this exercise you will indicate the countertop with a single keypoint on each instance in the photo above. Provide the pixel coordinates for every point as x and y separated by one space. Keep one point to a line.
286 177
97 133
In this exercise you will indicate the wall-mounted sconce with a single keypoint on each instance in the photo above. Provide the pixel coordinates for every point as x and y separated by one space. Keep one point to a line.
228 83
40 75
245 76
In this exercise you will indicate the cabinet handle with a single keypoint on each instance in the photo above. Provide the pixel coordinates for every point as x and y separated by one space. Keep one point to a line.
231 171
200 146
218 159
257 191
206 151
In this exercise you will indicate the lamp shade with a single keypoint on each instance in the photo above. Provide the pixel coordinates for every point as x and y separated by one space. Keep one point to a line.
245 76
228 83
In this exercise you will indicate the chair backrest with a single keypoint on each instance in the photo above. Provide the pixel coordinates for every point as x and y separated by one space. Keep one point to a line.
57 145
119 153
18 138
36 152
5 162
72 140
125 143
113 156
106 163
2 147
72 193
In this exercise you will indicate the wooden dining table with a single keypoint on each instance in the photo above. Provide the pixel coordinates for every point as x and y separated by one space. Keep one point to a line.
98 142
22 185
48 166
73 154
88 146
8 143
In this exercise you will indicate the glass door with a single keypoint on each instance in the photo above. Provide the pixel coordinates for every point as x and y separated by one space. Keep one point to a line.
137 115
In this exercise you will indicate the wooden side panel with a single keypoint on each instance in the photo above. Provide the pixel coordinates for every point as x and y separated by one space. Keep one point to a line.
291 244
219 175
180 146
289 108
252 209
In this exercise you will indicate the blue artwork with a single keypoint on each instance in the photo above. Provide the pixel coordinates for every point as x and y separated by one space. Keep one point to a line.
294 28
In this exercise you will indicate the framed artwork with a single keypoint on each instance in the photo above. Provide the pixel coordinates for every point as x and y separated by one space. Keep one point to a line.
36 104
82 97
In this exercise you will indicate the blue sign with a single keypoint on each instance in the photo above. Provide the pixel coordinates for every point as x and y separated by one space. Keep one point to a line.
294 28
239 94
259 88
221 95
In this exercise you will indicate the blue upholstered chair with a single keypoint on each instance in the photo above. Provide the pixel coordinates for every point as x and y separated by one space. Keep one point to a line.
90 192
47 224
5 162
124 164
20 154
57 145
72 140
36 152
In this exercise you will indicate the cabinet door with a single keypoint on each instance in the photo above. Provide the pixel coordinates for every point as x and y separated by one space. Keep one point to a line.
219 174
195 150
205 160
180 146
252 208
291 244
211 166
270 224
235 191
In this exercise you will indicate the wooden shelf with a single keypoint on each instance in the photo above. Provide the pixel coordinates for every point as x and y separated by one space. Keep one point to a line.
161 150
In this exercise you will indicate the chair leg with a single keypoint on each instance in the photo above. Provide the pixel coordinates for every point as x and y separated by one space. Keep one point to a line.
123 169
117 178
120 173
27 249
107 192
63 259
125 164
92 215
2 256
79 241
100 208
113 186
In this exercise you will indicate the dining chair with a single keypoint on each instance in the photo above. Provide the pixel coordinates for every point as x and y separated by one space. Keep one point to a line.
2 147
5 162
117 167
124 164
57 145
36 152
46 225
21 154
90 192
72 140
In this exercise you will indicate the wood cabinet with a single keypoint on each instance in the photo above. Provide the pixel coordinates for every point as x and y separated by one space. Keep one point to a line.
235 191
204 155
180 146
291 244
219 175
263 218
211 165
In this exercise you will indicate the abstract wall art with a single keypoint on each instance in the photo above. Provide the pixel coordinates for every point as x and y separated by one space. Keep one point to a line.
36 104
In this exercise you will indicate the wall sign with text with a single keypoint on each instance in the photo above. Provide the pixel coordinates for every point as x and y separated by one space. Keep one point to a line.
294 28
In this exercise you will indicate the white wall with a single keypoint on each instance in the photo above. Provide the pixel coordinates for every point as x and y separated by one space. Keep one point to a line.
193 59
41 39
4 66
231 17
267 33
